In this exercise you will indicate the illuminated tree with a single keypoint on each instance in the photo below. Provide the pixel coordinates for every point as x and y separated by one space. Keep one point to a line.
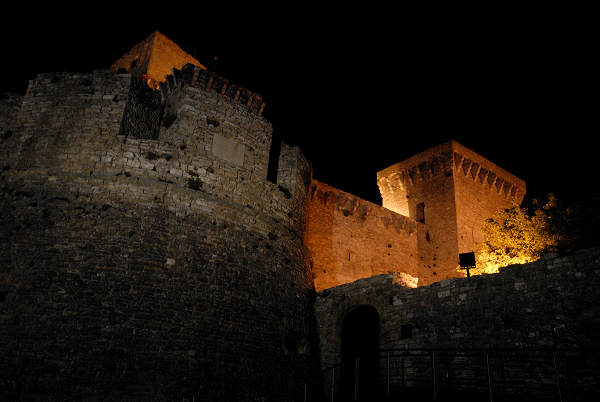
517 236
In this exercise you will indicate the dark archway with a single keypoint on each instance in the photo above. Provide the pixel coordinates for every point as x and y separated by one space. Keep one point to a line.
360 354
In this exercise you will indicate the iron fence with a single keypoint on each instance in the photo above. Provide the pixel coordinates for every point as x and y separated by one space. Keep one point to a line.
492 375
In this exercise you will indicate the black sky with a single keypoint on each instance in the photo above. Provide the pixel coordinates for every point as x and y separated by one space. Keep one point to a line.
361 89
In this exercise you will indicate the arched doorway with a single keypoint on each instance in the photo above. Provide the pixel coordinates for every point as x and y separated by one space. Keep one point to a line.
360 354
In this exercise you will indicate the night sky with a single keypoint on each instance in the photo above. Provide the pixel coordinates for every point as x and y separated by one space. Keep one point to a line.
361 89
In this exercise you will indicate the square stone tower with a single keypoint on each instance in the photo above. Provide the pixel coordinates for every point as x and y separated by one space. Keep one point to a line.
154 58
452 190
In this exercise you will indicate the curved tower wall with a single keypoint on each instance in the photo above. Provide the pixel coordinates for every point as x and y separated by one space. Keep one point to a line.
151 259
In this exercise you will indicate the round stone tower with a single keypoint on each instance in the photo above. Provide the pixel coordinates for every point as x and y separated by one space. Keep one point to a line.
144 255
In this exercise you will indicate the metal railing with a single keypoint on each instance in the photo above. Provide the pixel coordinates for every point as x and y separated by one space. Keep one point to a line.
492 375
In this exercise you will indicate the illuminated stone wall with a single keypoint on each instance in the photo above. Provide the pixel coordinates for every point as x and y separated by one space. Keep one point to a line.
426 178
481 188
150 269
350 238
455 188
517 308
458 188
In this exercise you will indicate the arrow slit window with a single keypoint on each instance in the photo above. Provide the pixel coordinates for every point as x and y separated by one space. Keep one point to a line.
421 212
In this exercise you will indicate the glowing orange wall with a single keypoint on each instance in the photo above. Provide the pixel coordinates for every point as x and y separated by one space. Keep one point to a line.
460 190
166 55
350 239
155 57
427 178
481 188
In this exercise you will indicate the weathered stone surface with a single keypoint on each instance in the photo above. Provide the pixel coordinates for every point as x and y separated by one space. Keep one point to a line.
551 303
147 268
452 190
144 255
228 149
9 106
350 239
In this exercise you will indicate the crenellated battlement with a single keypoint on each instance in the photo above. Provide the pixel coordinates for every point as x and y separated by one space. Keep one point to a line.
184 147
161 63
351 238
452 190
447 159
209 81
490 176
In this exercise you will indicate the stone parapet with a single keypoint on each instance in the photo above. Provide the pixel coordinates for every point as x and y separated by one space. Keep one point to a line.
350 238
74 124
446 159
550 305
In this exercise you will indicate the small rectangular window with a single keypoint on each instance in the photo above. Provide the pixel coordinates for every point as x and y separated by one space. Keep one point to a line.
273 165
421 212
405 331
3 295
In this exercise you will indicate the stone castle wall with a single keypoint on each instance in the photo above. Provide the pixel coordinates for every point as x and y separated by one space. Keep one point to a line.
144 254
550 303
481 188
426 178
147 266
9 107
456 189
350 238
